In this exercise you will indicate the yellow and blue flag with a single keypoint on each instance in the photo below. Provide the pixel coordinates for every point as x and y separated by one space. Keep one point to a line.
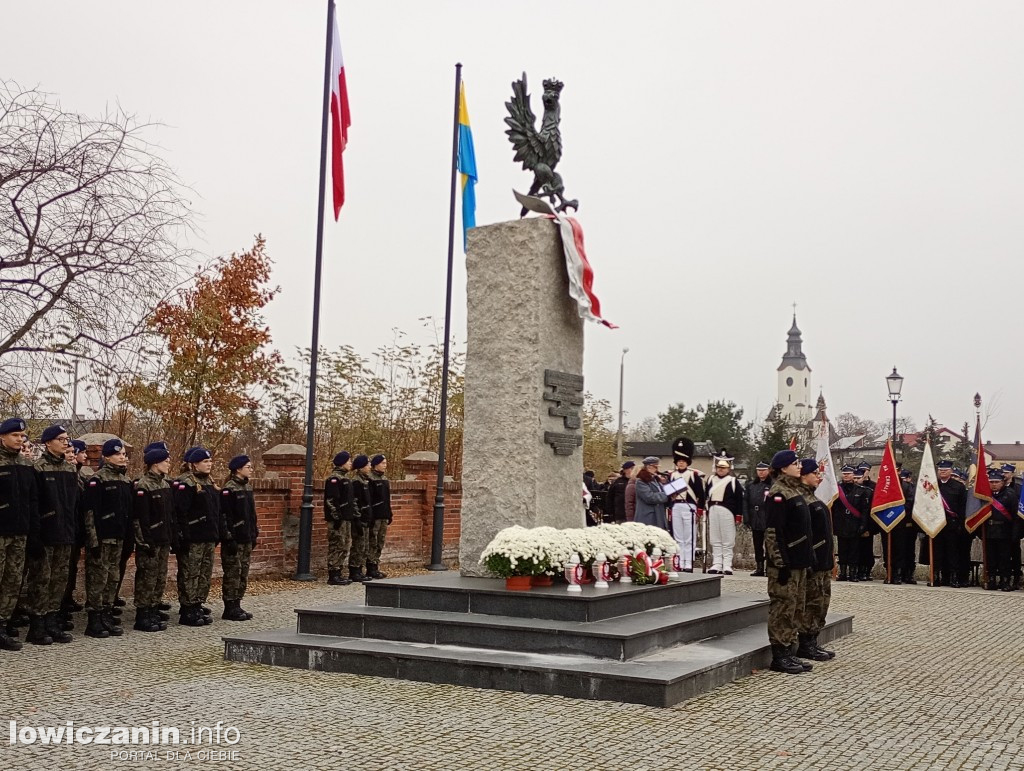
466 167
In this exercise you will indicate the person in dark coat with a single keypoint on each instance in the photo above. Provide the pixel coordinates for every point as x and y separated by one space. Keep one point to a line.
950 568
818 594
616 500
754 514
866 544
999 533
850 512
904 538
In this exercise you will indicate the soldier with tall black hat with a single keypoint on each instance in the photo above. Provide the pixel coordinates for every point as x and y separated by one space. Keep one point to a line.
850 512
949 553
687 505
339 511
818 591
18 498
754 513
381 514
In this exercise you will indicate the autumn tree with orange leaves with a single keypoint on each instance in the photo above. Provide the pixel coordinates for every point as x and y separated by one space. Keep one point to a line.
218 356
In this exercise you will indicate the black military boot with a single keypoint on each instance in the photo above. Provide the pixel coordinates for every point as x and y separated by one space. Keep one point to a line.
808 650
69 605
1005 585
908 576
205 610
65 621
20 617
233 611
793 657
110 623
192 616
37 631
119 603
990 585
356 574
144 621
8 642
334 578
373 570
826 651
52 623
95 627
854 574
759 571
164 606
781 662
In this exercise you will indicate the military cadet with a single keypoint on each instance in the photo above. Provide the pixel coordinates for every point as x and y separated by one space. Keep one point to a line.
754 514
999 533
155 533
198 516
818 592
339 511
47 573
725 511
866 544
241 534
68 604
850 512
362 521
108 507
949 553
381 514
787 545
687 504
19 521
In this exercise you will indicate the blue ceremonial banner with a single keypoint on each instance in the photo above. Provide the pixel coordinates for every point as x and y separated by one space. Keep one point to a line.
1020 503
888 506
467 167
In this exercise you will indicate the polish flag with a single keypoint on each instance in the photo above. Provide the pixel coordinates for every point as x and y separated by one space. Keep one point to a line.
340 120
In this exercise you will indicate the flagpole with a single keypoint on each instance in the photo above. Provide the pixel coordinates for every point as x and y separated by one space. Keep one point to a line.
302 571
931 561
888 566
437 536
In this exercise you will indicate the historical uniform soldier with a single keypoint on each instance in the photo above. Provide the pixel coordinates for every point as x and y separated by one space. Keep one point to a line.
949 553
199 529
68 604
866 544
999 533
155 533
241 534
755 515
362 521
108 508
19 519
339 511
818 593
850 513
787 545
381 514
47 574
688 504
725 511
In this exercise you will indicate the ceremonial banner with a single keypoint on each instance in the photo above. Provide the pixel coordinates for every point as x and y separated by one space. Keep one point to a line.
928 511
340 120
979 497
792 443
888 507
828 489
1020 503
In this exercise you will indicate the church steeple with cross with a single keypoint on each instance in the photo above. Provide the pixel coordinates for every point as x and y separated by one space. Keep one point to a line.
794 394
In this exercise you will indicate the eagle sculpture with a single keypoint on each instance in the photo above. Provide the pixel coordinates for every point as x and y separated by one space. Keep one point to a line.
539 150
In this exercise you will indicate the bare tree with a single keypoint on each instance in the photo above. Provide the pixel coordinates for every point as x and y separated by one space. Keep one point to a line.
90 220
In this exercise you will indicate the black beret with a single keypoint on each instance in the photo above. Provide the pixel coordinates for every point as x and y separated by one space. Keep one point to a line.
360 461
628 464
79 445
161 445
52 432
376 460
341 458
237 462
11 425
783 458
155 455
808 466
198 454
112 447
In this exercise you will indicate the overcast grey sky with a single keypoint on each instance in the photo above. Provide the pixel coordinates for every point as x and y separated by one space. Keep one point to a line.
862 158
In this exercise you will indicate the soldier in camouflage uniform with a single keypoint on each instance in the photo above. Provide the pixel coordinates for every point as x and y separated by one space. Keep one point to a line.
47 573
155 532
362 521
787 545
19 519
818 592
200 528
80 458
241 534
380 514
108 507
339 511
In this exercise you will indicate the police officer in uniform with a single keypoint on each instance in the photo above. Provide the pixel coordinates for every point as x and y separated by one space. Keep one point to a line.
240 536
108 509
339 511
380 514
68 604
999 533
754 514
850 512
362 521
199 523
47 574
20 520
687 505
818 593
155 532
787 545
948 543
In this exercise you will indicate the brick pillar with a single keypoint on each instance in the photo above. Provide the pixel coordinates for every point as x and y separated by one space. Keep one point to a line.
286 463
421 465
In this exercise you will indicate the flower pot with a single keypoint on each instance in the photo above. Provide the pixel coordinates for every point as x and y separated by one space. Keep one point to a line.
542 580
518 583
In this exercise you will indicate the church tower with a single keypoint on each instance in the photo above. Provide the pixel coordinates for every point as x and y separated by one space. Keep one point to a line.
795 380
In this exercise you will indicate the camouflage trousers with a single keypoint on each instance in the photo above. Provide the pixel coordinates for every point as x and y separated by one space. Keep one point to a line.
46 578
785 605
236 571
375 545
12 569
339 545
817 596
360 545
195 567
150 575
101 574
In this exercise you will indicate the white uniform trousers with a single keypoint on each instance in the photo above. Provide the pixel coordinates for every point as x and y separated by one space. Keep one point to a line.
684 525
722 525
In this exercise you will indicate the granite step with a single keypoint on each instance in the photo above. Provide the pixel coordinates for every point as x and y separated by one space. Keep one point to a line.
620 637
660 679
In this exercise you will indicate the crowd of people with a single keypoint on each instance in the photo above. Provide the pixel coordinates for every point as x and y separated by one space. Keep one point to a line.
54 506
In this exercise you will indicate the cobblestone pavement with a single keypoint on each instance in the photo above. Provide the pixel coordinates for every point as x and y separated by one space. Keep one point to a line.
931 679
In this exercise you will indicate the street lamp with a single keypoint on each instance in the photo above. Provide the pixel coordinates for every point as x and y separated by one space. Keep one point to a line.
622 381
895 383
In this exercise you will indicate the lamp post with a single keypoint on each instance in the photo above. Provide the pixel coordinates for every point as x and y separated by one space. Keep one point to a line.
622 381
895 383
